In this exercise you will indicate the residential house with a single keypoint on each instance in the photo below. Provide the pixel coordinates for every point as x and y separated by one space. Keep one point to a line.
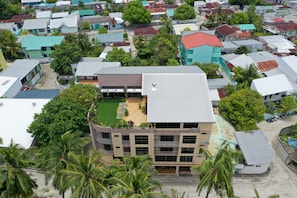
290 68
27 71
65 25
251 44
96 22
86 71
36 26
200 47
110 38
228 47
146 32
256 151
117 20
11 26
287 29
277 44
43 14
86 13
9 86
58 15
178 29
16 115
36 47
242 61
272 88
226 32
178 124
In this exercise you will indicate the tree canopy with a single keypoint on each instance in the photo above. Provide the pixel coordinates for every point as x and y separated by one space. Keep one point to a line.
119 55
286 104
210 69
184 12
240 18
243 109
10 48
136 13
8 8
244 77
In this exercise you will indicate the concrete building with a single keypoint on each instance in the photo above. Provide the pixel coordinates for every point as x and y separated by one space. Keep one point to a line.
178 116
9 86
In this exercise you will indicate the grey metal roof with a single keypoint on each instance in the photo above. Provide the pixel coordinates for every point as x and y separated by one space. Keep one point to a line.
254 147
38 94
218 83
110 37
32 24
19 68
229 45
177 97
247 42
90 68
263 56
150 69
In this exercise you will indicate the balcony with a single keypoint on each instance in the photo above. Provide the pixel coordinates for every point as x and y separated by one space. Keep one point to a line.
166 143
104 140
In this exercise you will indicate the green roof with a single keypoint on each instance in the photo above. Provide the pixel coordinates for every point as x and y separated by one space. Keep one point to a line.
36 42
246 26
90 12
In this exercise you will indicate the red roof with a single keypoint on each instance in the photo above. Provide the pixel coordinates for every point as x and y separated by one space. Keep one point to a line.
286 26
199 39
267 65
212 5
145 30
226 30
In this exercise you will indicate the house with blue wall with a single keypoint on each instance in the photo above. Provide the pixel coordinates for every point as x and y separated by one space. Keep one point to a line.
40 46
200 47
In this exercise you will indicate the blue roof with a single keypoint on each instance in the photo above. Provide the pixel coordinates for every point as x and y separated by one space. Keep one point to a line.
36 42
39 94
114 37
75 2
246 26
170 12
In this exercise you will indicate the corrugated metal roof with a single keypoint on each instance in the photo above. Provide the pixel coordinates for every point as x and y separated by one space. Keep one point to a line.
242 61
200 39
38 94
271 85
36 42
90 68
254 147
19 68
177 97
247 42
114 37
43 14
32 24
150 69
246 26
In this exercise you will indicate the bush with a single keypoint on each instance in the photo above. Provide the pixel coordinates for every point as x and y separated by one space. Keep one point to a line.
144 125
126 112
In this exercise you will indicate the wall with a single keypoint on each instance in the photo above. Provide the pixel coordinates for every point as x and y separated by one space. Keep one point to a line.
13 90
120 80
202 54
65 30
254 169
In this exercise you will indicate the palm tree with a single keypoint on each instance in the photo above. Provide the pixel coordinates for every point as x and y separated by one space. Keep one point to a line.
84 175
244 77
134 179
216 171
14 181
54 157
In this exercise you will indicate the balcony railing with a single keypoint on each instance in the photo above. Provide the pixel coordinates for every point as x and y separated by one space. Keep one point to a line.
166 143
104 140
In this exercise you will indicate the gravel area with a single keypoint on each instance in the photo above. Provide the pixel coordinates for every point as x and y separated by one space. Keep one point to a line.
49 78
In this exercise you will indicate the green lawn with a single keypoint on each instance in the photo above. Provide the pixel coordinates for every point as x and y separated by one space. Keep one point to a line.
107 110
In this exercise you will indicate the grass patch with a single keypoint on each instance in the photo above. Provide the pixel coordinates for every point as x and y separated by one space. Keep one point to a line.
107 110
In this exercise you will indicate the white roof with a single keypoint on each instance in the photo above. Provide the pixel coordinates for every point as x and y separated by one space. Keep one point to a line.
43 14
242 61
7 26
90 68
30 1
271 85
103 54
63 3
5 84
32 24
179 28
16 115
177 97
280 42
291 62
59 14
68 21
214 95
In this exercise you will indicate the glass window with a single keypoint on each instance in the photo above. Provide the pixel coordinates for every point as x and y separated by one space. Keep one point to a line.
186 158
127 149
189 139
105 135
141 139
190 125
141 150
167 138
126 137
166 149
165 158
187 150
107 147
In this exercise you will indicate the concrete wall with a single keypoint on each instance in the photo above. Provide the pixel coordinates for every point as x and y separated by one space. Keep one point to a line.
202 54
13 90
123 80
253 169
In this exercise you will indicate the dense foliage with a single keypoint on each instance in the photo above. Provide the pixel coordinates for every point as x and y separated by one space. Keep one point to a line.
119 55
8 8
10 47
243 109
184 12
210 69
136 13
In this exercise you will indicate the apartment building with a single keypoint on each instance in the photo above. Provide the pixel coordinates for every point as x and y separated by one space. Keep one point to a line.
175 105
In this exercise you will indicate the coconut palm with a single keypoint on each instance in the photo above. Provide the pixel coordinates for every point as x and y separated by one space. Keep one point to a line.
14 181
54 157
84 175
244 77
216 171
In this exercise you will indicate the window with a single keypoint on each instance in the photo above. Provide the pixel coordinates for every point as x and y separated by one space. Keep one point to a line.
190 125
166 149
43 48
189 139
118 147
186 158
141 150
41 30
107 147
168 125
165 158
126 149
190 51
105 135
141 139
167 138
187 150
52 48
125 137
116 135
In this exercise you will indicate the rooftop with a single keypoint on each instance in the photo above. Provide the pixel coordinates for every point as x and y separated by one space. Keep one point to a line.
267 65
90 68
145 30
226 30
19 68
179 28
199 39
36 42
6 83
32 24
38 94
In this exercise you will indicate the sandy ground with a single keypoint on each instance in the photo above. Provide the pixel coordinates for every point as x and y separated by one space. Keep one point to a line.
48 80
135 114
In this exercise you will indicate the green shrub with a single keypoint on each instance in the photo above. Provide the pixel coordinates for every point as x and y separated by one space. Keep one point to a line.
144 125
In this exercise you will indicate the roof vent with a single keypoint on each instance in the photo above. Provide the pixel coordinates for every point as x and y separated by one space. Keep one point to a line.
154 86
34 104
1 104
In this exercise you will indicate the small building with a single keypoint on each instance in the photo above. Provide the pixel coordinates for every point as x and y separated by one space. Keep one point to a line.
287 29
290 68
36 26
11 26
58 15
16 115
27 71
242 61
65 25
226 32
251 44
256 151
200 47
146 32
9 87
277 44
36 47
85 13
96 22
43 14
272 88
110 38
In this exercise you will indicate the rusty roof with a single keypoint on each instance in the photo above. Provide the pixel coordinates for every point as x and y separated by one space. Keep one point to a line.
145 30
243 34
226 30
267 65
286 26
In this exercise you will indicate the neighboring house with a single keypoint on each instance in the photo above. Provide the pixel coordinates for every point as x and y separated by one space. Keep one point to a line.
86 71
287 29
146 32
272 88
178 29
9 86
226 32
86 13
43 14
16 116
251 44
256 151
40 46
96 22
290 68
110 38
246 27
179 124
58 15
200 47
65 25
36 26
27 71
228 47
277 44
11 26
157 13
117 20
242 61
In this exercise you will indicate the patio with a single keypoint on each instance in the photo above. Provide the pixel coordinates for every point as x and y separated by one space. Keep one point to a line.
135 113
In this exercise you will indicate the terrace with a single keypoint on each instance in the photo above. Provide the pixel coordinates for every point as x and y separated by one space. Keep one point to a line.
111 110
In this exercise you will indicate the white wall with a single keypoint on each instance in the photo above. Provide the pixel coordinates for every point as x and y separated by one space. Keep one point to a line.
262 168
13 90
